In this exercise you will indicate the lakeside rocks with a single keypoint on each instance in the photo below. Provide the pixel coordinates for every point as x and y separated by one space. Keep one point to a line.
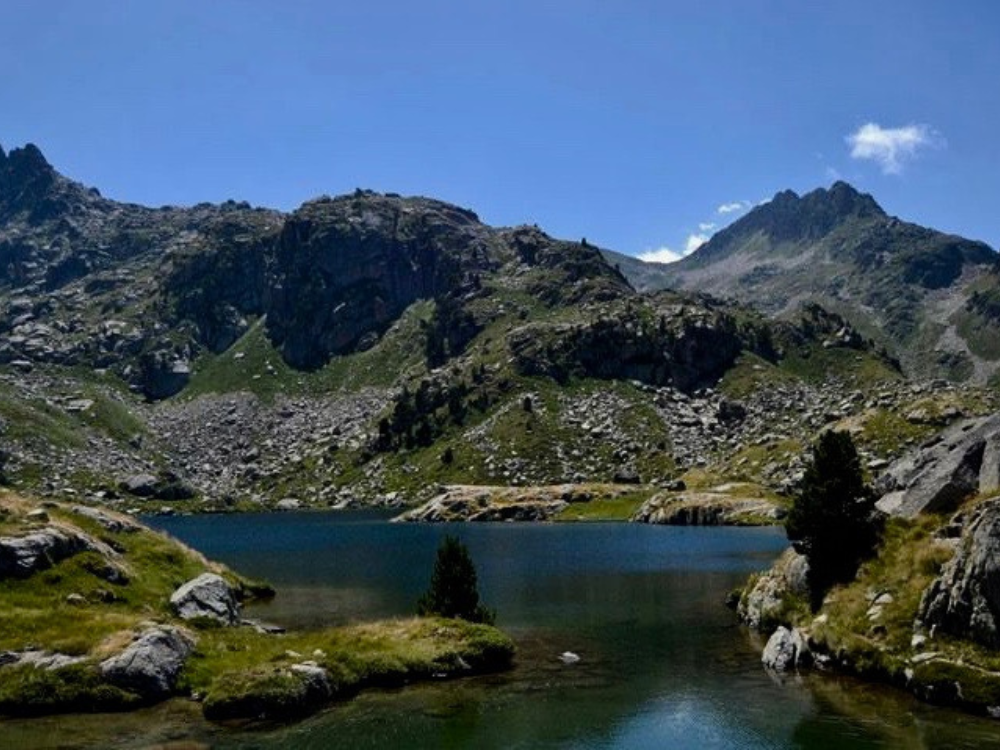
207 596
786 649
484 503
964 601
151 664
719 506
761 605
960 461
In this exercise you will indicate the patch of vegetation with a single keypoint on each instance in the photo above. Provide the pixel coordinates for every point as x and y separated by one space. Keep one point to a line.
620 508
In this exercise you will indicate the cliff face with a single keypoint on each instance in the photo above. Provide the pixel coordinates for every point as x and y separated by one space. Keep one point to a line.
342 270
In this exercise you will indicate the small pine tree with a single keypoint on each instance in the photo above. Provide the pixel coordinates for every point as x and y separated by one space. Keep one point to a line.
454 586
833 520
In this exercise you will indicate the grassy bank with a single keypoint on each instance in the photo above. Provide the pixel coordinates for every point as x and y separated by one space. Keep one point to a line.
92 604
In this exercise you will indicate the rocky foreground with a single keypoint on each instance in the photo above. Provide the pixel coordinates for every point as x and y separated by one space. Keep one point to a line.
99 613
924 614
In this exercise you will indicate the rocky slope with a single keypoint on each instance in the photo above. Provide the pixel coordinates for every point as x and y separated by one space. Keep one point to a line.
924 294
924 613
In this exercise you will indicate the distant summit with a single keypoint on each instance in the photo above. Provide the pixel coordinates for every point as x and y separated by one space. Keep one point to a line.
906 286
787 217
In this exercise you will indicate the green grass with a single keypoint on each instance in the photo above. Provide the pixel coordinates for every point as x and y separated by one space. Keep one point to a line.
816 364
243 673
606 508
252 364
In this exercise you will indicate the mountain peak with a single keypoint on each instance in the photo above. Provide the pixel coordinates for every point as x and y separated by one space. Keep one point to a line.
27 164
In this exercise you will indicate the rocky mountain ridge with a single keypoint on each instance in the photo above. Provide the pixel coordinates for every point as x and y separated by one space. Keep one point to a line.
910 288
368 348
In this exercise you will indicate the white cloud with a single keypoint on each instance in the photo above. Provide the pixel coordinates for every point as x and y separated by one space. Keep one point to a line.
832 173
706 226
730 208
694 241
661 255
891 148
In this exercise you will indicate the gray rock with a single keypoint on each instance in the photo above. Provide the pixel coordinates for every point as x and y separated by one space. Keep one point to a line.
786 649
208 595
107 520
140 485
964 600
762 604
22 556
149 666
963 460
47 660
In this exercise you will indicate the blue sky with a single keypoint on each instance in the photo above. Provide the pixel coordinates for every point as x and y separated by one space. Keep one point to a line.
628 123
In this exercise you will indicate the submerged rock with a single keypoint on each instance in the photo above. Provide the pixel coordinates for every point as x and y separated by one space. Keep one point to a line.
208 595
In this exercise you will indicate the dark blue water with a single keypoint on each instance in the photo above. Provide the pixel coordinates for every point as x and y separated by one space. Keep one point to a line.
663 663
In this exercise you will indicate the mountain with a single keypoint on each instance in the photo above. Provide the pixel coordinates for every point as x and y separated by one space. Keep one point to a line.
905 286
369 348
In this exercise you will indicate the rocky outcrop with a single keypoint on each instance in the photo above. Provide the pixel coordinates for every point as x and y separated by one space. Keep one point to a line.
681 345
476 503
111 521
964 601
786 649
151 664
23 556
167 486
207 596
959 462
762 604
347 267
721 506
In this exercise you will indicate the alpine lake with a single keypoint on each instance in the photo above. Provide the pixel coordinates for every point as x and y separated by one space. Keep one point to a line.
662 663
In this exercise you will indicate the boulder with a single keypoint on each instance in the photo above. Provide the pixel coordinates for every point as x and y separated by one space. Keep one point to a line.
149 666
961 461
208 595
22 556
761 605
786 649
964 601
140 485
109 521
